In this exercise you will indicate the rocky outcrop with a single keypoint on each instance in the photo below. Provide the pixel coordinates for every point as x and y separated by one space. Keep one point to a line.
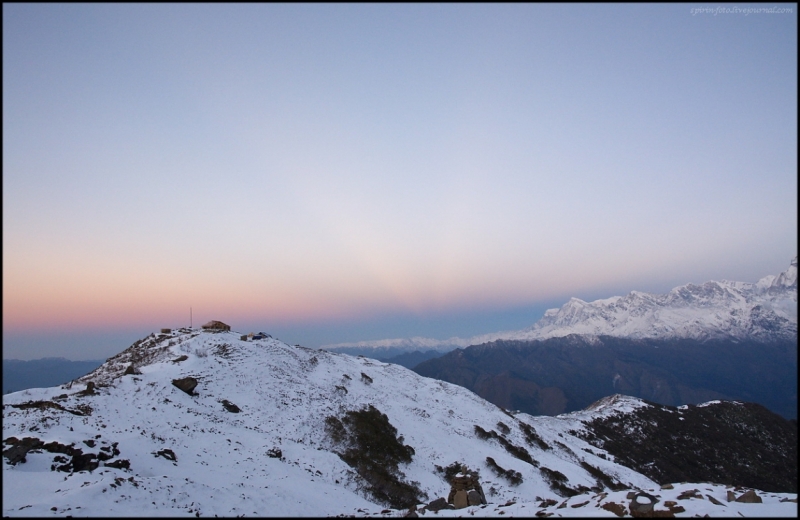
90 389
617 509
77 461
749 497
187 384
690 493
437 505
19 448
230 406
749 447
119 464
44 405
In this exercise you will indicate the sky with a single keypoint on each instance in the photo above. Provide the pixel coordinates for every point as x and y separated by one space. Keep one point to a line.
332 173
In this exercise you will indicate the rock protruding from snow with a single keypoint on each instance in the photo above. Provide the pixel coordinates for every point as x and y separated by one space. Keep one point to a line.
750 497
437 505
187 384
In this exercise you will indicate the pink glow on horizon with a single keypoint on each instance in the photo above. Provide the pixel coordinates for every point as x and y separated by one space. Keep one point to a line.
106 303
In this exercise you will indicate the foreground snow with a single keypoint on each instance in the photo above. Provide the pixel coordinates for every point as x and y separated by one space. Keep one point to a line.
222 460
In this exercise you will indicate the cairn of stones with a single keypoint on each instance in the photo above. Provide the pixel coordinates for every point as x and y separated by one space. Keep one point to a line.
465 490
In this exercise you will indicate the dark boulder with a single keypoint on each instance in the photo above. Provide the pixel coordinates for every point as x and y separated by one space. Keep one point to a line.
89 389
438 505
749 497
187 384
230 406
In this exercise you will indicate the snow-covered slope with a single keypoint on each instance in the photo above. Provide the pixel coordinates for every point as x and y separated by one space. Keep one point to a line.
251 440
765 310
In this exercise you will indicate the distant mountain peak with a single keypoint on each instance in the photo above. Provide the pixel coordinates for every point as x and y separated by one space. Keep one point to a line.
616 403
764 311
788 278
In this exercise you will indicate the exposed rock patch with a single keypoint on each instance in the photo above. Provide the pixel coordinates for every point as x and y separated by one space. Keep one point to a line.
119 464
132 370
749 497
230 406
617 509
187 384
167 454
90 389
77 461
438 504
690 493
44 405
16 453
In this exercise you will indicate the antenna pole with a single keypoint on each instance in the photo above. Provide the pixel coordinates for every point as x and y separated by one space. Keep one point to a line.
190 317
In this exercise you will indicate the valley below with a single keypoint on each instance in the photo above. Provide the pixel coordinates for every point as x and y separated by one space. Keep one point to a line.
558 375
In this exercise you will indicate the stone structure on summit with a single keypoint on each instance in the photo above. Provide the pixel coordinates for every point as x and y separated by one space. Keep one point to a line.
465 490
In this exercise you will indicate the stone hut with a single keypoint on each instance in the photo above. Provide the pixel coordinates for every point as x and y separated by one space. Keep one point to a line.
215 325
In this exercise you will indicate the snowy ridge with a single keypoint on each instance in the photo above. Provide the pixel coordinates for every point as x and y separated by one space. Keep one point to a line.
409 344
189 455
385 348
765 310
613 404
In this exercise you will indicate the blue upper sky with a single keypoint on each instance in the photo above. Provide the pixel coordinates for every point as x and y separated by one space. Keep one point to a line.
349 172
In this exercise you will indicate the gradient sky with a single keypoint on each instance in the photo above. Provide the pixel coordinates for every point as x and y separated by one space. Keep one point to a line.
332 173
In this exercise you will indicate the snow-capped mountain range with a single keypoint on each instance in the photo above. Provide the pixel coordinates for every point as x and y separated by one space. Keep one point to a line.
199 423
764 310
